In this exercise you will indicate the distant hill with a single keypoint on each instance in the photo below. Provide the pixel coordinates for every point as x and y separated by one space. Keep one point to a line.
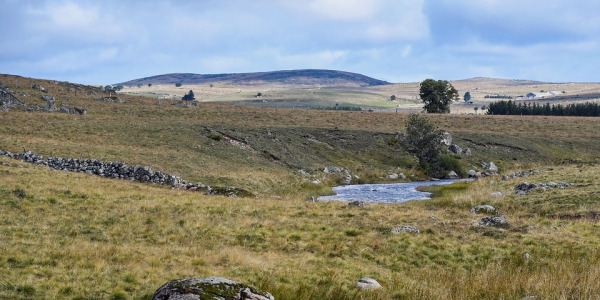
329 78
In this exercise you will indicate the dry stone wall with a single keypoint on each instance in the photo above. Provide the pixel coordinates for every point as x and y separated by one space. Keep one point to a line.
120 170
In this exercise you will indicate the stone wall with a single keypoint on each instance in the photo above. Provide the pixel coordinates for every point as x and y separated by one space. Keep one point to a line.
120 170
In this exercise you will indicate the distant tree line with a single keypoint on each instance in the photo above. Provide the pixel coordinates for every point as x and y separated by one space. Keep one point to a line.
587 109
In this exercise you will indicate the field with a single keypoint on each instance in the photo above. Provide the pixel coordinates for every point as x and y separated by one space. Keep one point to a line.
76 236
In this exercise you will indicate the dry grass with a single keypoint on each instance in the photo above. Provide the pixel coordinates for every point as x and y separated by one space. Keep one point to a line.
66 235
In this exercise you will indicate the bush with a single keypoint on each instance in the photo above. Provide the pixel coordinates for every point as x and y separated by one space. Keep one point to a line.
214 136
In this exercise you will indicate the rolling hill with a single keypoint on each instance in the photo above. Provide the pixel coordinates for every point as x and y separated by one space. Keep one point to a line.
329 78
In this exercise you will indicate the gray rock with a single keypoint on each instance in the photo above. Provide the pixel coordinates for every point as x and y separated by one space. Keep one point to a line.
39 87
526 256
392 176
467 151
491 167
50 103
332 170
504 177
210 288
446 139
452 175
471 173
496 194
485 209
405 228
494 222
367 283
455 149
360 204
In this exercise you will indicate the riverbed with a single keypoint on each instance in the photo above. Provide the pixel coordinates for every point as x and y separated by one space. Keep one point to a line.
384 193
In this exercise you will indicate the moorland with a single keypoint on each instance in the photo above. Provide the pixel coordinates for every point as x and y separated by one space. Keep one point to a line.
78 236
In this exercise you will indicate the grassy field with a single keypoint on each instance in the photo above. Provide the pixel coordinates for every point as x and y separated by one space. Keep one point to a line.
76 236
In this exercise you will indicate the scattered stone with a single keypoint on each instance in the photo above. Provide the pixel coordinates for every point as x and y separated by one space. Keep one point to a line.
524 187
496 194
494 222
360 204
504 177
39 87
452 175
405 228
529 298
316 181
491 167
455 149
485 209
446 139
471 173
526 256
467 151
50 103
392 176
210 288
367 283
554 227
332 170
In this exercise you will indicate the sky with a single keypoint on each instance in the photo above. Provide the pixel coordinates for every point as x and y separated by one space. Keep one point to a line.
111 41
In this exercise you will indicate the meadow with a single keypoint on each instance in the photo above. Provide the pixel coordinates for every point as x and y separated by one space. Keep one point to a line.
76 236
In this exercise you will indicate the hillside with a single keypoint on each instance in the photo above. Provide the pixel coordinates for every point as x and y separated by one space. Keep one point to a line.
80 236
325 78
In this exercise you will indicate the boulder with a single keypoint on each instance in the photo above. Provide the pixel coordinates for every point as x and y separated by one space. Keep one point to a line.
485 209
210 288
332 170
360 204
471 173
496 194
446 139
39 87
405 228
455 149
452 175
467 151
50 103
367 283
392 176
494 222
490 167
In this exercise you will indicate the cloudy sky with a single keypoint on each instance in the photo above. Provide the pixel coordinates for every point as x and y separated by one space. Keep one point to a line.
110 41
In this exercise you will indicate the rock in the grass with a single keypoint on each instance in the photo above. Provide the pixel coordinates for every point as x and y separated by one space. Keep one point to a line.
405 228
332 170
467 151
392 176
446 139
496 194
452 175
367 283
504 177
471 173
494 222
50 103
491 167
485 209
529 298
526 256
455 149
358 203
210 288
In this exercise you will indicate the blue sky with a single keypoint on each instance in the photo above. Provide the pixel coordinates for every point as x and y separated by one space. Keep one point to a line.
109 41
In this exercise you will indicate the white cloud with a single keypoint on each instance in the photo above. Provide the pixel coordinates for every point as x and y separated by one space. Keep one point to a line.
346 10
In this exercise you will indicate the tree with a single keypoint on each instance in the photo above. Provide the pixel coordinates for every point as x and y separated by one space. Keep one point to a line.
476 108
393 97
178 84
149 84
467 97
437 95
189 96
483 107
423 140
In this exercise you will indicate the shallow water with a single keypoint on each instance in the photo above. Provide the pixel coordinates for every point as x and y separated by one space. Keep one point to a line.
384 193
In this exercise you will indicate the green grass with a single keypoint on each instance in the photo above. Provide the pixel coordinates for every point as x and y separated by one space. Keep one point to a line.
75 236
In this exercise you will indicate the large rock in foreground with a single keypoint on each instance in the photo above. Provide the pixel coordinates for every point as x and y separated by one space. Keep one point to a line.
210 288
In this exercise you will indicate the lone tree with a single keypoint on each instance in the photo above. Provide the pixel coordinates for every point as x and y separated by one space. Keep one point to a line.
392 97
467 97
178 84
423 140
437 95
189 96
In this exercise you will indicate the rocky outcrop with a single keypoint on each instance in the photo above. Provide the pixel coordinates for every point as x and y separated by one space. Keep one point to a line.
446 139
524 187
455 149
120 170
367 283
210 288
358 203
50 103
497 221
485 209
8 100
405 228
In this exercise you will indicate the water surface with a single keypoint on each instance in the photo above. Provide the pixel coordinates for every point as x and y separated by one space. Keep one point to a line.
384 193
